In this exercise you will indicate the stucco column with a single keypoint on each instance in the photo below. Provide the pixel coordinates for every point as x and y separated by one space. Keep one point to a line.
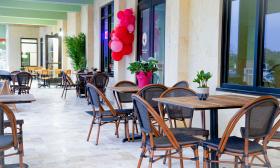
120 67
87 29
73 29
176 40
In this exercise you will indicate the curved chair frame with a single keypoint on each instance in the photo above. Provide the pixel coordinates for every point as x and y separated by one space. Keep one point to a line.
183 82
162 111
148 136
240 158
17 143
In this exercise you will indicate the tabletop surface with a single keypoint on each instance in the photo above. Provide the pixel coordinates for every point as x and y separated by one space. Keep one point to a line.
125 89
213 102
14 99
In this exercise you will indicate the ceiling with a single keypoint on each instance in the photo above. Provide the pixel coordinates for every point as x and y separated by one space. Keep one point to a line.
38 12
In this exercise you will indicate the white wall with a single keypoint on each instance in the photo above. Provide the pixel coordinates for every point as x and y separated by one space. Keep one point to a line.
97 4
14 33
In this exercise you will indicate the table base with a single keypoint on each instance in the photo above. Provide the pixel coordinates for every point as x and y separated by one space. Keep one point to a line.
214 134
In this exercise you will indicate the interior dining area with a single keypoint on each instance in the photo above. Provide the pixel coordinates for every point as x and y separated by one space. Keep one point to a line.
139 83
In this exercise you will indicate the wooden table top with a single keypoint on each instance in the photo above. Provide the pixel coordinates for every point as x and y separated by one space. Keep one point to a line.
213 102
15 99
125 89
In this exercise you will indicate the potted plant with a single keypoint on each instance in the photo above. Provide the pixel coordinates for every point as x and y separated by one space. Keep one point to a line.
144 71
76 49
203 89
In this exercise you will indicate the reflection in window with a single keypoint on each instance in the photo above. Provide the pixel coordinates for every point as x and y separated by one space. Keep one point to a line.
29 52
271 65
159 39
3 55
241 44
107 23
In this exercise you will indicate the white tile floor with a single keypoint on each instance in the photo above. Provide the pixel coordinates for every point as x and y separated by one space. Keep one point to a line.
55 133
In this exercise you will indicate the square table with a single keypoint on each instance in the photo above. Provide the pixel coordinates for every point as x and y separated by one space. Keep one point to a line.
11 99
213 103
124 89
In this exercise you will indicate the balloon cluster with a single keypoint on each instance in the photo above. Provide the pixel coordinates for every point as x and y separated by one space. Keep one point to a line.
122 36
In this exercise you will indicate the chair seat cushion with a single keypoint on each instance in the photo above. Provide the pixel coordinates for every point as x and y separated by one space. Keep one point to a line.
190 131
234 144
107 116
6 140
124 111
163 142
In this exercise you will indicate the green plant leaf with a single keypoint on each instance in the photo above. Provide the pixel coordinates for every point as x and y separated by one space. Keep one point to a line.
76 49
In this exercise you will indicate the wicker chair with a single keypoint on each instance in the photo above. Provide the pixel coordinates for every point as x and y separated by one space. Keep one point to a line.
176 113
256 128
124 98
181 84
24 80
67 84
274 136
152 91
100 80
152 142
102 116
13 139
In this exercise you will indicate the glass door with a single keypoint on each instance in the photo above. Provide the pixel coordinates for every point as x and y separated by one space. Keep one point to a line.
151 34
53 52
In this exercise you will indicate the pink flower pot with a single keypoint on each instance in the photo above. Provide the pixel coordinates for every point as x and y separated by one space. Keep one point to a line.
144 78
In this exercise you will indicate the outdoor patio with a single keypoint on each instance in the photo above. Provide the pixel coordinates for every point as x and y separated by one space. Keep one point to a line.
55 133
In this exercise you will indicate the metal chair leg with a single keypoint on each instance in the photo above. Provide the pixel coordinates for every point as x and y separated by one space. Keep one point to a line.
98 132
90 128
144 150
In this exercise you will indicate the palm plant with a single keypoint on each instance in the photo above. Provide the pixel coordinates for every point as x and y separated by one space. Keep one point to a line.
76 49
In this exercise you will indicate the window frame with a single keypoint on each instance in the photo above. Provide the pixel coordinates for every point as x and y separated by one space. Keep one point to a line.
142 5
59 50
256 88
23 38
110 16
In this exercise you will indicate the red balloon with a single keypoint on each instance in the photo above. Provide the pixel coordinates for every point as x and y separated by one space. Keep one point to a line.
127 39
120 14
117 56
128 12
127 49
120 31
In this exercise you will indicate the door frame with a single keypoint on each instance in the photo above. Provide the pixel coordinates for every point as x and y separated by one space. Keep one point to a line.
59 50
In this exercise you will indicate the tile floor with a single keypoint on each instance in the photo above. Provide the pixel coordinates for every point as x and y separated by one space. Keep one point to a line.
55 133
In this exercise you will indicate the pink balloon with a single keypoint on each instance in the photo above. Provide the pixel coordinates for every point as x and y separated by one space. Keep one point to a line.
115 38
130 28
116 46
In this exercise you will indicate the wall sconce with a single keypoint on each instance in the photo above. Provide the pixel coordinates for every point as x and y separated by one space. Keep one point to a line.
60 32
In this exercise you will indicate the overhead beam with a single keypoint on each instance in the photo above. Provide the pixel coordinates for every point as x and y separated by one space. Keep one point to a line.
42 6
32 14
27 21
81 2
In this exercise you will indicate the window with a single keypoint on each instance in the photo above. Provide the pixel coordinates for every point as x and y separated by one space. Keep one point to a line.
251 46
107 23
3 55
29 52
53 51
151 34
